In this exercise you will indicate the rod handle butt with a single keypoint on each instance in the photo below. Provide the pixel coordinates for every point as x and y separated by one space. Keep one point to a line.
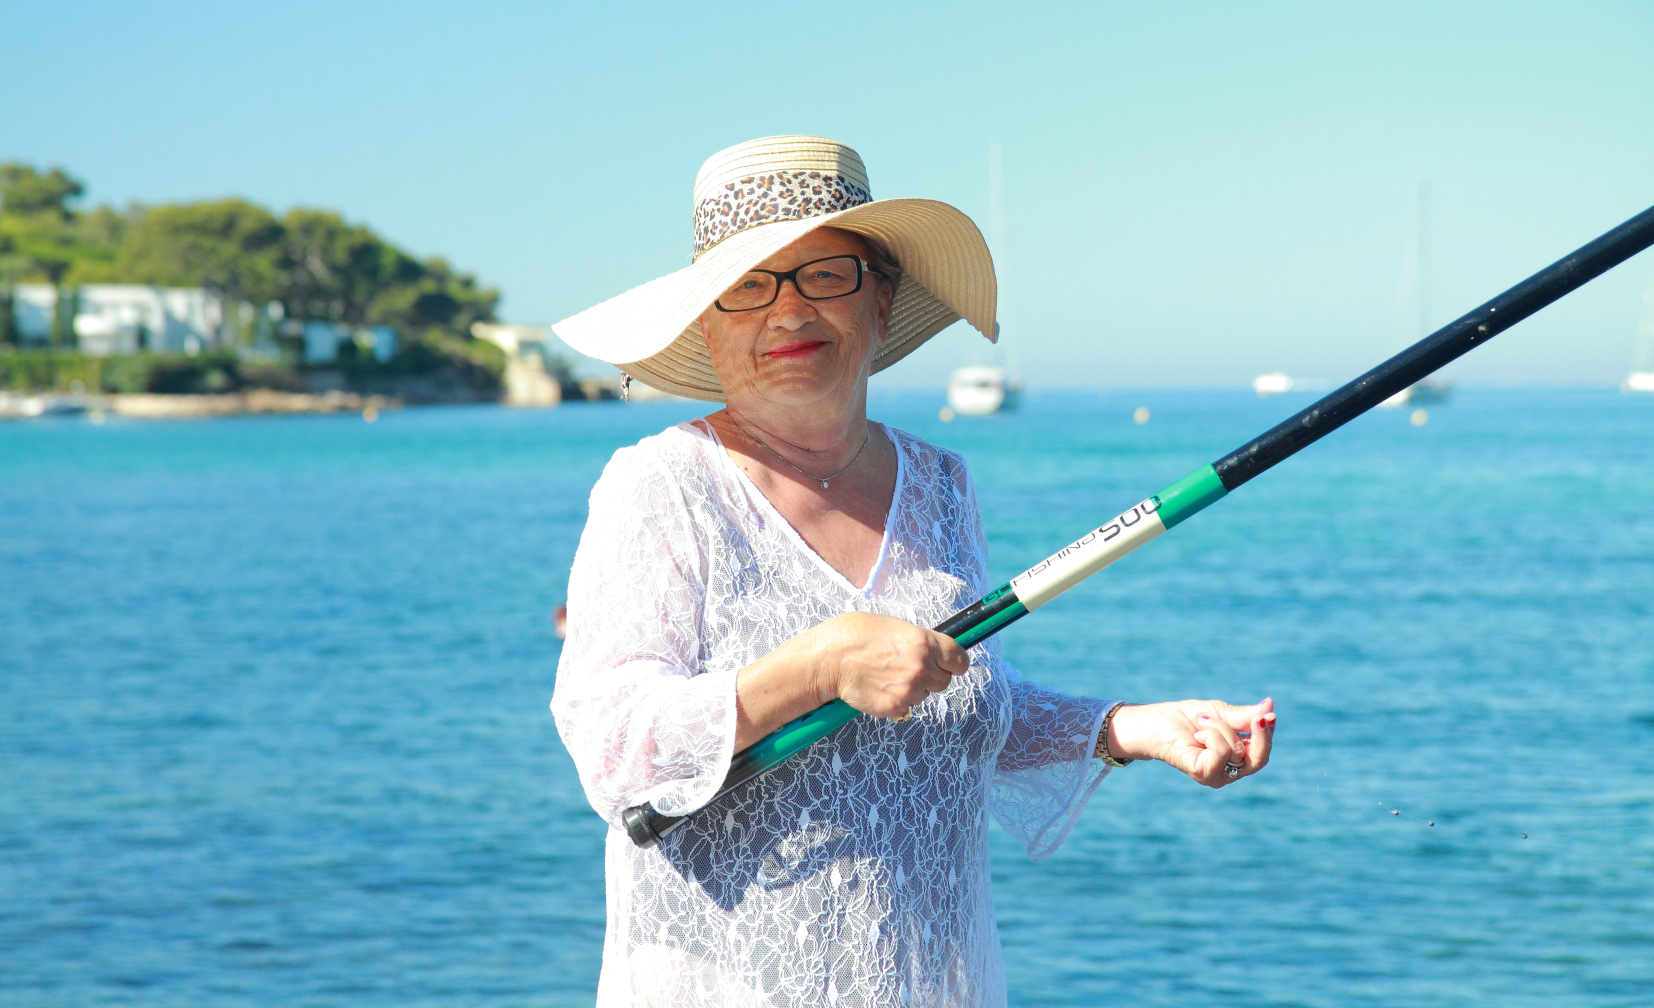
645 826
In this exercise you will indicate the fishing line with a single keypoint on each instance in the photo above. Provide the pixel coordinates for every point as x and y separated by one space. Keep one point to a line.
1449 828
1542 833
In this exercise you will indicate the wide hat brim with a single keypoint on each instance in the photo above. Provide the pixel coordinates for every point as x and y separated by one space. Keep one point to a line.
653 333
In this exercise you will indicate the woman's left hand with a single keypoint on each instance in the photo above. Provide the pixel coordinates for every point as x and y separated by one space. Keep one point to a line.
1202 738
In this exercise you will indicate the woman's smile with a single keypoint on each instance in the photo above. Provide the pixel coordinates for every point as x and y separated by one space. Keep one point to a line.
795 349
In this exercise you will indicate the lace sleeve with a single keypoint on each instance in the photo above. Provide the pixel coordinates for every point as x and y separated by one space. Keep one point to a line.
640 717
1045 773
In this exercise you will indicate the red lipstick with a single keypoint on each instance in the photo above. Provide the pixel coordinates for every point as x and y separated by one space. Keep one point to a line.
800 348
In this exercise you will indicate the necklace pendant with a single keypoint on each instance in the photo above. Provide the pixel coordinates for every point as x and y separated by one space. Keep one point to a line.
823 484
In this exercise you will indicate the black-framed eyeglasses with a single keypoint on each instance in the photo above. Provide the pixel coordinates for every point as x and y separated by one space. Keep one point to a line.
816 280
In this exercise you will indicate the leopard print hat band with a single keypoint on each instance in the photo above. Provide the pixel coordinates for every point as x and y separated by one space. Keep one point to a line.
775 179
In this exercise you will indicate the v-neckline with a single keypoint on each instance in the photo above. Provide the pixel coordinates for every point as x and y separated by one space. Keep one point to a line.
874 571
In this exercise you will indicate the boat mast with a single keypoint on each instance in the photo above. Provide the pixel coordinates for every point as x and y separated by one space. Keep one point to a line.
1423 240
996 234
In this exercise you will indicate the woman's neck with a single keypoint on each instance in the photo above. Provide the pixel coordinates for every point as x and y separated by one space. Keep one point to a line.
824 435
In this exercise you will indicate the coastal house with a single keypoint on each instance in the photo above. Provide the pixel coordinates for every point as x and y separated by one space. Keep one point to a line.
114 319
123 318
322 341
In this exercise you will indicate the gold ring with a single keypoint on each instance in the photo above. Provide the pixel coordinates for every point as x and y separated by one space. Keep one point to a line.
903 716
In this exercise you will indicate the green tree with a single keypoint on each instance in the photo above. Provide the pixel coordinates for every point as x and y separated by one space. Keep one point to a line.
439 298
36 222
38 234
100 233
8 316
345 273
41 246
25 192
229 246
333 270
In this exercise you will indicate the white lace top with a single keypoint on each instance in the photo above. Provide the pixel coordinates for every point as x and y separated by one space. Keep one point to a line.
857 873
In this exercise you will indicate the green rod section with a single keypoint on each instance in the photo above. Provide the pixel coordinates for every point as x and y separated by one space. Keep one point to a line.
1189 495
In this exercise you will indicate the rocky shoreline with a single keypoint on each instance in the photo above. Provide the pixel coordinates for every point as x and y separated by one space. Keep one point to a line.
323 392
158 406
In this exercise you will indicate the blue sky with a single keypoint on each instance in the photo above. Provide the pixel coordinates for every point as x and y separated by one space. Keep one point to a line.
1194 192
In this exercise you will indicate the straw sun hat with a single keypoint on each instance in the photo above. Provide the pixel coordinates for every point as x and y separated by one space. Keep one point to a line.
751 201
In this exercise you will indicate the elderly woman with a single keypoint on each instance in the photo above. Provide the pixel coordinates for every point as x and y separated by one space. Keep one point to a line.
743 569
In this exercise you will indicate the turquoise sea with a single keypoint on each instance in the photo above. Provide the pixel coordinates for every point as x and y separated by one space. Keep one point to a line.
273 724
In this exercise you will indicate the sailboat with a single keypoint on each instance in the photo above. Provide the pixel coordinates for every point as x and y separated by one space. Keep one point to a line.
1421 393
1641 378
1431 390
982 389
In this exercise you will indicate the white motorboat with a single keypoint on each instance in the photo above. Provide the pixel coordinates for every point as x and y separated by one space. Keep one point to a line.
1273 383
1638 381
26 406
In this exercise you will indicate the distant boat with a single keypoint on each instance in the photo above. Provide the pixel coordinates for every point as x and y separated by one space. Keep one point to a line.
981 389
1638 381
1273 383
47 404
1428 392
1413 293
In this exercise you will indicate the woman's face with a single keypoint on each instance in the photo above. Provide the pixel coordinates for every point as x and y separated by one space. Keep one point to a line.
799 352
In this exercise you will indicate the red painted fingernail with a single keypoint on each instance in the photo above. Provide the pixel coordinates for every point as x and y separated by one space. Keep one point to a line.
1203 717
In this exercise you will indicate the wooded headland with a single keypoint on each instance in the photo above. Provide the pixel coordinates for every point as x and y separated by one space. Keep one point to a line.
271 278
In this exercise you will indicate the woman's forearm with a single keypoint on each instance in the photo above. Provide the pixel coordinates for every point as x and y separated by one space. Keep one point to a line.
777 688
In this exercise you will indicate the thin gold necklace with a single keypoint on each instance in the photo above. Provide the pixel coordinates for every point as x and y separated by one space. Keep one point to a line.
819 479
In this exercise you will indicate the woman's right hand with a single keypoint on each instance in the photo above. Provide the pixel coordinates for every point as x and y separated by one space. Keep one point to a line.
877 664
881 665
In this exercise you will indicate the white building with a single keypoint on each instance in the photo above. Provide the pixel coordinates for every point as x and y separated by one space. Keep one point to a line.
527 382
124 318
33 307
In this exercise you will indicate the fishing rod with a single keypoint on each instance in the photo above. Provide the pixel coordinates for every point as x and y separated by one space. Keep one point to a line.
1126 531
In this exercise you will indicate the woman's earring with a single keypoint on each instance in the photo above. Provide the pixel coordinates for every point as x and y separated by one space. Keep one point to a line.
625 387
